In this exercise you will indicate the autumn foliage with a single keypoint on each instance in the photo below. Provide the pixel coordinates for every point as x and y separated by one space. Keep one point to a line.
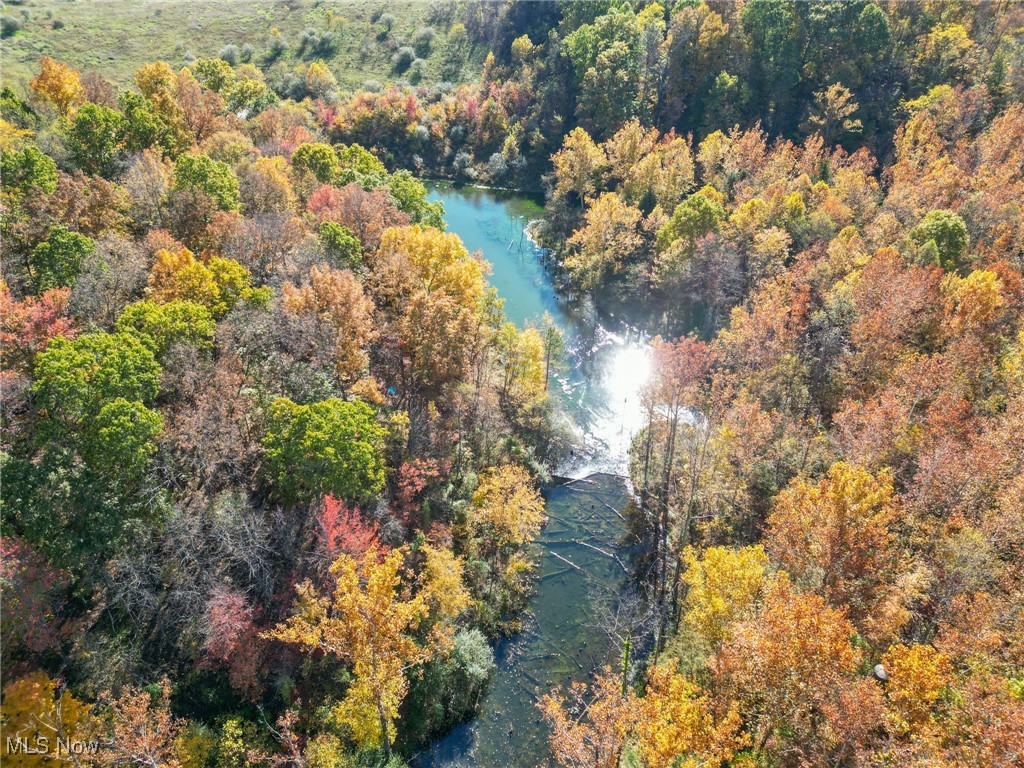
270 445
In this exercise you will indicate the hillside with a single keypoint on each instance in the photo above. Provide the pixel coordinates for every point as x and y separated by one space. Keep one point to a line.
356 39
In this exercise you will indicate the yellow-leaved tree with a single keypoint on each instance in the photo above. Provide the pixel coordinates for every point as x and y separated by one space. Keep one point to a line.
521 355
608 239
370 620
974 302
59 84
677 724
35 710
579 165
507 513
508 505
723 586
918 676
442 583
430 291
215 282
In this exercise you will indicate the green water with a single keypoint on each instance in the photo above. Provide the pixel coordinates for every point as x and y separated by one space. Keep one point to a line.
580 548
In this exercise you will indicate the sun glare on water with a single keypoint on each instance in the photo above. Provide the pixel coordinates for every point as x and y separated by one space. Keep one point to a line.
628 371
620 413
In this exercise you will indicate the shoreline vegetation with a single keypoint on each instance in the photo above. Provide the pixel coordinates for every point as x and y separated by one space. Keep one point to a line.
272 447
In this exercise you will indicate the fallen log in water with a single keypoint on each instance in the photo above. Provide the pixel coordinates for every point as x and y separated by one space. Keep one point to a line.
562 572
566 561
613 509
604 552
558 651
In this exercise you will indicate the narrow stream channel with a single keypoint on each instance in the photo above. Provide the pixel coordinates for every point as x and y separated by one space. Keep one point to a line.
581 548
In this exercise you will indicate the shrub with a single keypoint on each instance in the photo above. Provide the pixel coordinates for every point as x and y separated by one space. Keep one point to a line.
288 85
416 70
276 47
497 165
9 25
327 45
230 54
403 58
462 161
450 688
313 44
457 35
423 39
306 37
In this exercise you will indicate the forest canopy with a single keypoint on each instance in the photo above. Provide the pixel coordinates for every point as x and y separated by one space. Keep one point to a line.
272 453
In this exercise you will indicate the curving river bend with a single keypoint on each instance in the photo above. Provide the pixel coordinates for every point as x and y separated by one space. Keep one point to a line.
582 548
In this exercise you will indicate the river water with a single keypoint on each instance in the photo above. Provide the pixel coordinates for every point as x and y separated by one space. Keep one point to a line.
582 547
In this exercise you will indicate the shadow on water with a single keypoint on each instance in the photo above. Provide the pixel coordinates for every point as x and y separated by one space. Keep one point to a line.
581 548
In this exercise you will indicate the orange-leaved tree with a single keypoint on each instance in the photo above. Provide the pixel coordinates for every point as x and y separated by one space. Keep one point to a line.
794 669
590 731
835 537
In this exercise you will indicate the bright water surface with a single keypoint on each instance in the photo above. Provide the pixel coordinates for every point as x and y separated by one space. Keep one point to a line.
607 363
560 641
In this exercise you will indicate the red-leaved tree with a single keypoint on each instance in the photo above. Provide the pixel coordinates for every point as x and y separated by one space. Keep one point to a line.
342 530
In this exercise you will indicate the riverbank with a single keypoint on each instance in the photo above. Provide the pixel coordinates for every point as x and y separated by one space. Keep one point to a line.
562 641
581 551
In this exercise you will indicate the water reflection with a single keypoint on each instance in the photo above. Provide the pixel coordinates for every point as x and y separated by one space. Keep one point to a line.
607 367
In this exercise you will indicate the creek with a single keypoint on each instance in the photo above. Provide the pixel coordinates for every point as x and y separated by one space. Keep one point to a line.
582 549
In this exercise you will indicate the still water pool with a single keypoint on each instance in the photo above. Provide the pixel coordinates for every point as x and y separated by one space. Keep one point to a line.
581 548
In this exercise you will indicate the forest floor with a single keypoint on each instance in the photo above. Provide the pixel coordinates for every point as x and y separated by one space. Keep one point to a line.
117 36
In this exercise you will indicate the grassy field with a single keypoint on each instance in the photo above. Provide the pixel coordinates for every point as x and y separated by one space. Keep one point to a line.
113 37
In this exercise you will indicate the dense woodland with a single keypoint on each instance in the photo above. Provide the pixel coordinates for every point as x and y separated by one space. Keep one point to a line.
271 452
